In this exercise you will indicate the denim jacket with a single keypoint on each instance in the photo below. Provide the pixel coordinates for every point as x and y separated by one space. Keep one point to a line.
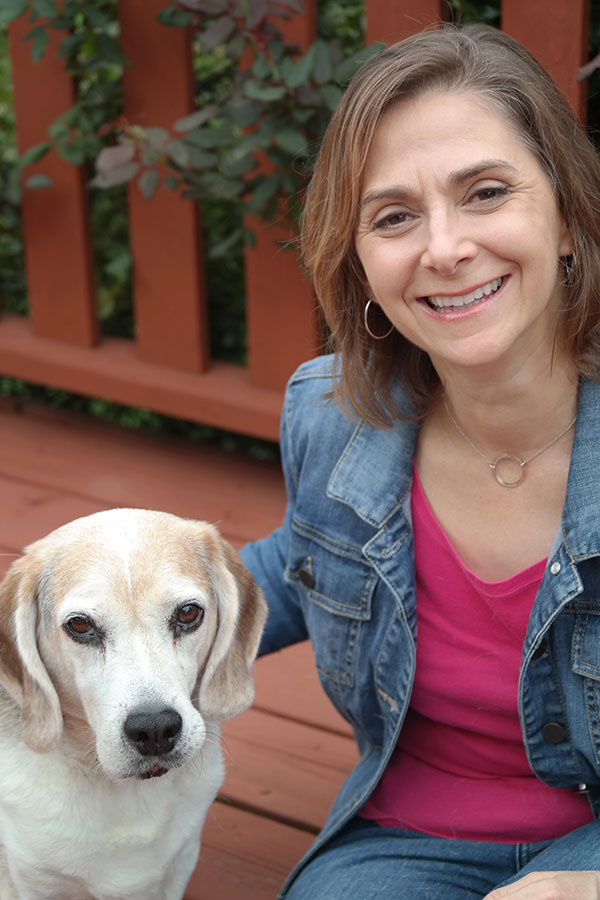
340 571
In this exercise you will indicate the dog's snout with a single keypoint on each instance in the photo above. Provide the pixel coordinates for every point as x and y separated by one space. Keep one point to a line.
153 732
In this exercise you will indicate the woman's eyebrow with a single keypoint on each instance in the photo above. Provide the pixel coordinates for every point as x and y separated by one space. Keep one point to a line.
400 192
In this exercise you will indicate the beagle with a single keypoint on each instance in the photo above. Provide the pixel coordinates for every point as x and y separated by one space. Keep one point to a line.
126 637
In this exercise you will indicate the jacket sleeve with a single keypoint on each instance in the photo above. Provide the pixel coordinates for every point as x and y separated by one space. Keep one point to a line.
267 559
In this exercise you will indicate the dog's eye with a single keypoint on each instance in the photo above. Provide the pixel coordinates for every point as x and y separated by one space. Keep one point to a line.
188 617
80 628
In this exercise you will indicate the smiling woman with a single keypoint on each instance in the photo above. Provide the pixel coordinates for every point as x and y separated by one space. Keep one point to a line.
452 233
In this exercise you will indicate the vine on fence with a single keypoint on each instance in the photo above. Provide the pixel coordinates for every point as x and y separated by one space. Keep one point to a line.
250 142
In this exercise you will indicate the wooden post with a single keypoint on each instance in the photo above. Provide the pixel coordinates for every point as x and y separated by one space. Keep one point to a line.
284 327
557 35
60 283
165 238
392 20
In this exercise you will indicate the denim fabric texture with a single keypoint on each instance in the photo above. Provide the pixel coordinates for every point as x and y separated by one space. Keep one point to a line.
340 571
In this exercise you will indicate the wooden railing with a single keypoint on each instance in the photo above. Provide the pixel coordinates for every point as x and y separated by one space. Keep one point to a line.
168 367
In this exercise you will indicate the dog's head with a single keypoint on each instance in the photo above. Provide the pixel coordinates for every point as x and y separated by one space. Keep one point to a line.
133 629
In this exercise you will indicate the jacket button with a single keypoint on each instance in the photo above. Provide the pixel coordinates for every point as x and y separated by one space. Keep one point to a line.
555 568
553 733
307 578
540 649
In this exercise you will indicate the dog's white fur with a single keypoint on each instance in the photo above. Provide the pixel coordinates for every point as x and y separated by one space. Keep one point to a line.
82 813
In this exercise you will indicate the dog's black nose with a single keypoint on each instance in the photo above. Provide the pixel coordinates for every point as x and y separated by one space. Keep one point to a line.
153 732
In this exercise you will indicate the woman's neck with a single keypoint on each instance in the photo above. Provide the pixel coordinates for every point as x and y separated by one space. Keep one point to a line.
515 411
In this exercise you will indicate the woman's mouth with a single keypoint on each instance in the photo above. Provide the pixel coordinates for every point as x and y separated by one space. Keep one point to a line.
445 304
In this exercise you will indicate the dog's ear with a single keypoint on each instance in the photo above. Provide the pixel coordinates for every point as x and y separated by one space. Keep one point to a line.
227 686
22 671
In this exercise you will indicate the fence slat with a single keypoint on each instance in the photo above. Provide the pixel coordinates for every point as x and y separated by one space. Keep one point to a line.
557 35
392 20
165 237
284 328
58 255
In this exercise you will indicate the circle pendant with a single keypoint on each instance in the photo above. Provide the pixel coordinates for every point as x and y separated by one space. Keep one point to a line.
512 459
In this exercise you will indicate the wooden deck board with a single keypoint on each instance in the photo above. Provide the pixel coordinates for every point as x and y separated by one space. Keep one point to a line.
244 856
287 757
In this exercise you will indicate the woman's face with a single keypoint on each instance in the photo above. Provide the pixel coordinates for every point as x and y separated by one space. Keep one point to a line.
459 233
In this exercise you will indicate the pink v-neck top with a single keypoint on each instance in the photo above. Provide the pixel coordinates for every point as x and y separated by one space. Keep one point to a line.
460 769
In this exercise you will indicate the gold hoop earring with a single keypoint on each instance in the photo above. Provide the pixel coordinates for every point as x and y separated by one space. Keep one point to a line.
376 337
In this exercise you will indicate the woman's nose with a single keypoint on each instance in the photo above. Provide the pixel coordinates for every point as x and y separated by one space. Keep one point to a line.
447 244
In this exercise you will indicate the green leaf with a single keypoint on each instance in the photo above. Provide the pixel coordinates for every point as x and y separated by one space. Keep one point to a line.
236 46
297 71
34 154
293 142
72 152
178 153
171 182
109 49
11 10
217 32
157 137
114 177
209 138
148 183
322 69
38 182
200 159
174 18
234 167
265 191
41 39
245 114
260 68
195 119
223 247
70 44
45 8
265 92
331 95
223 187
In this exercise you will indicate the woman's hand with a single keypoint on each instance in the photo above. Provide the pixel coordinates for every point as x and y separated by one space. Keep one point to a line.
551 886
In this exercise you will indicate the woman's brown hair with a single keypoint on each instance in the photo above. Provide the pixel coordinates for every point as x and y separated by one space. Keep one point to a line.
480 60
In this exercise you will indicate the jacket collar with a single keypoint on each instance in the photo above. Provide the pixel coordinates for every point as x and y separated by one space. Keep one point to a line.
581 513
374 473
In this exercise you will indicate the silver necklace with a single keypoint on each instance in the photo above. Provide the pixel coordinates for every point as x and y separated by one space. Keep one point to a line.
512 458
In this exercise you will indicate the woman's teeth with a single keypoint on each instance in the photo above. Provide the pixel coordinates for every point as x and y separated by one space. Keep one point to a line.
440 302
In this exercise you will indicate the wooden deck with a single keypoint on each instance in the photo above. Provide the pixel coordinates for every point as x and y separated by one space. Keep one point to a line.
288 755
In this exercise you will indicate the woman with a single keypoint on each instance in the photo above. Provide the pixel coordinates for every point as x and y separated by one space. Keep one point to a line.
452 233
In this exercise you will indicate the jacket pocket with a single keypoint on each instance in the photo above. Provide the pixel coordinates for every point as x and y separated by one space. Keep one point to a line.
336 586
585 656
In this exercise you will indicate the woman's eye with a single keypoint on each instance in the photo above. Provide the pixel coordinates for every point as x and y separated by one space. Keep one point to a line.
391 220
188 617
488 194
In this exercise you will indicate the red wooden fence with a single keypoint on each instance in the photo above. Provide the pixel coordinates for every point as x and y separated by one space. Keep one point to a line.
168 367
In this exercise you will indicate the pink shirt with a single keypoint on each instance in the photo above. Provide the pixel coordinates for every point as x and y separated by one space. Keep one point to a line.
460 769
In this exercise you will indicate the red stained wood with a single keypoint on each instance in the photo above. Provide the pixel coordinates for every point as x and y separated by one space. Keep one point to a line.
58 254
289 770
284 327
557 35
392 20
164 233
222 397
244 856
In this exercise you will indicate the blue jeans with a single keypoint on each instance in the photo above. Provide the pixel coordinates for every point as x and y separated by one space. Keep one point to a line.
369 862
